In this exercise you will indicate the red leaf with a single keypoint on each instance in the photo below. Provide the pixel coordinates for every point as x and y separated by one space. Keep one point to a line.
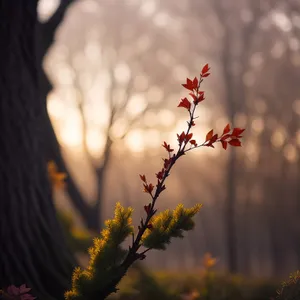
205 69
235 143
185 103
195 83
151 187
200 97
194 97
181 137
224 144
209 135
148 188
160 174
189 84
147 208
188 137
143 178
206 75
226 129
167 163
214 138
225 137
237 131
210 145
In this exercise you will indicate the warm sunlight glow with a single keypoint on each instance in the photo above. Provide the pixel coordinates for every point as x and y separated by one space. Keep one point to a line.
154 94
257 125
95 141
136 105
122 73
135 140
290 153
71 133
166 117
55 106
278 138
252 152
152 138
150 119
64 74
119 128
92 51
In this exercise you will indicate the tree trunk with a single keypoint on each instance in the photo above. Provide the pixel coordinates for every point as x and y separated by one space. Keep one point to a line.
230 201
46 36
33 250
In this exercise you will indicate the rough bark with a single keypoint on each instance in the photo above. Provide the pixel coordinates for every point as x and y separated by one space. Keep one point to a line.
33 250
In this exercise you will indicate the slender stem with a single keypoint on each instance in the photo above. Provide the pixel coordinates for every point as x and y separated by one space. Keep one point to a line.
160 187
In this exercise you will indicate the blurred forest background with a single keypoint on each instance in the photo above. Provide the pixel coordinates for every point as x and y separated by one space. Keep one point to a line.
115 69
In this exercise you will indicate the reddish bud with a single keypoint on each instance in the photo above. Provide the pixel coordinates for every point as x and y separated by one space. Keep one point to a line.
194 143
167 147
160 174
143 178
147 208
148 188
167 163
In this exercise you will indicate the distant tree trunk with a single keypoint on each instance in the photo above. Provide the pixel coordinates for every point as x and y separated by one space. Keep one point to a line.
32 250
276 218
46 37
230 201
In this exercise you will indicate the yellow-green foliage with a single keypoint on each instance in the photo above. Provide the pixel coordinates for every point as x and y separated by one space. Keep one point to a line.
169 224
179 285
104 270
290 290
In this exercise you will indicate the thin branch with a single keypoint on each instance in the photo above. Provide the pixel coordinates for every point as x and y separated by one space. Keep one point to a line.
48 29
